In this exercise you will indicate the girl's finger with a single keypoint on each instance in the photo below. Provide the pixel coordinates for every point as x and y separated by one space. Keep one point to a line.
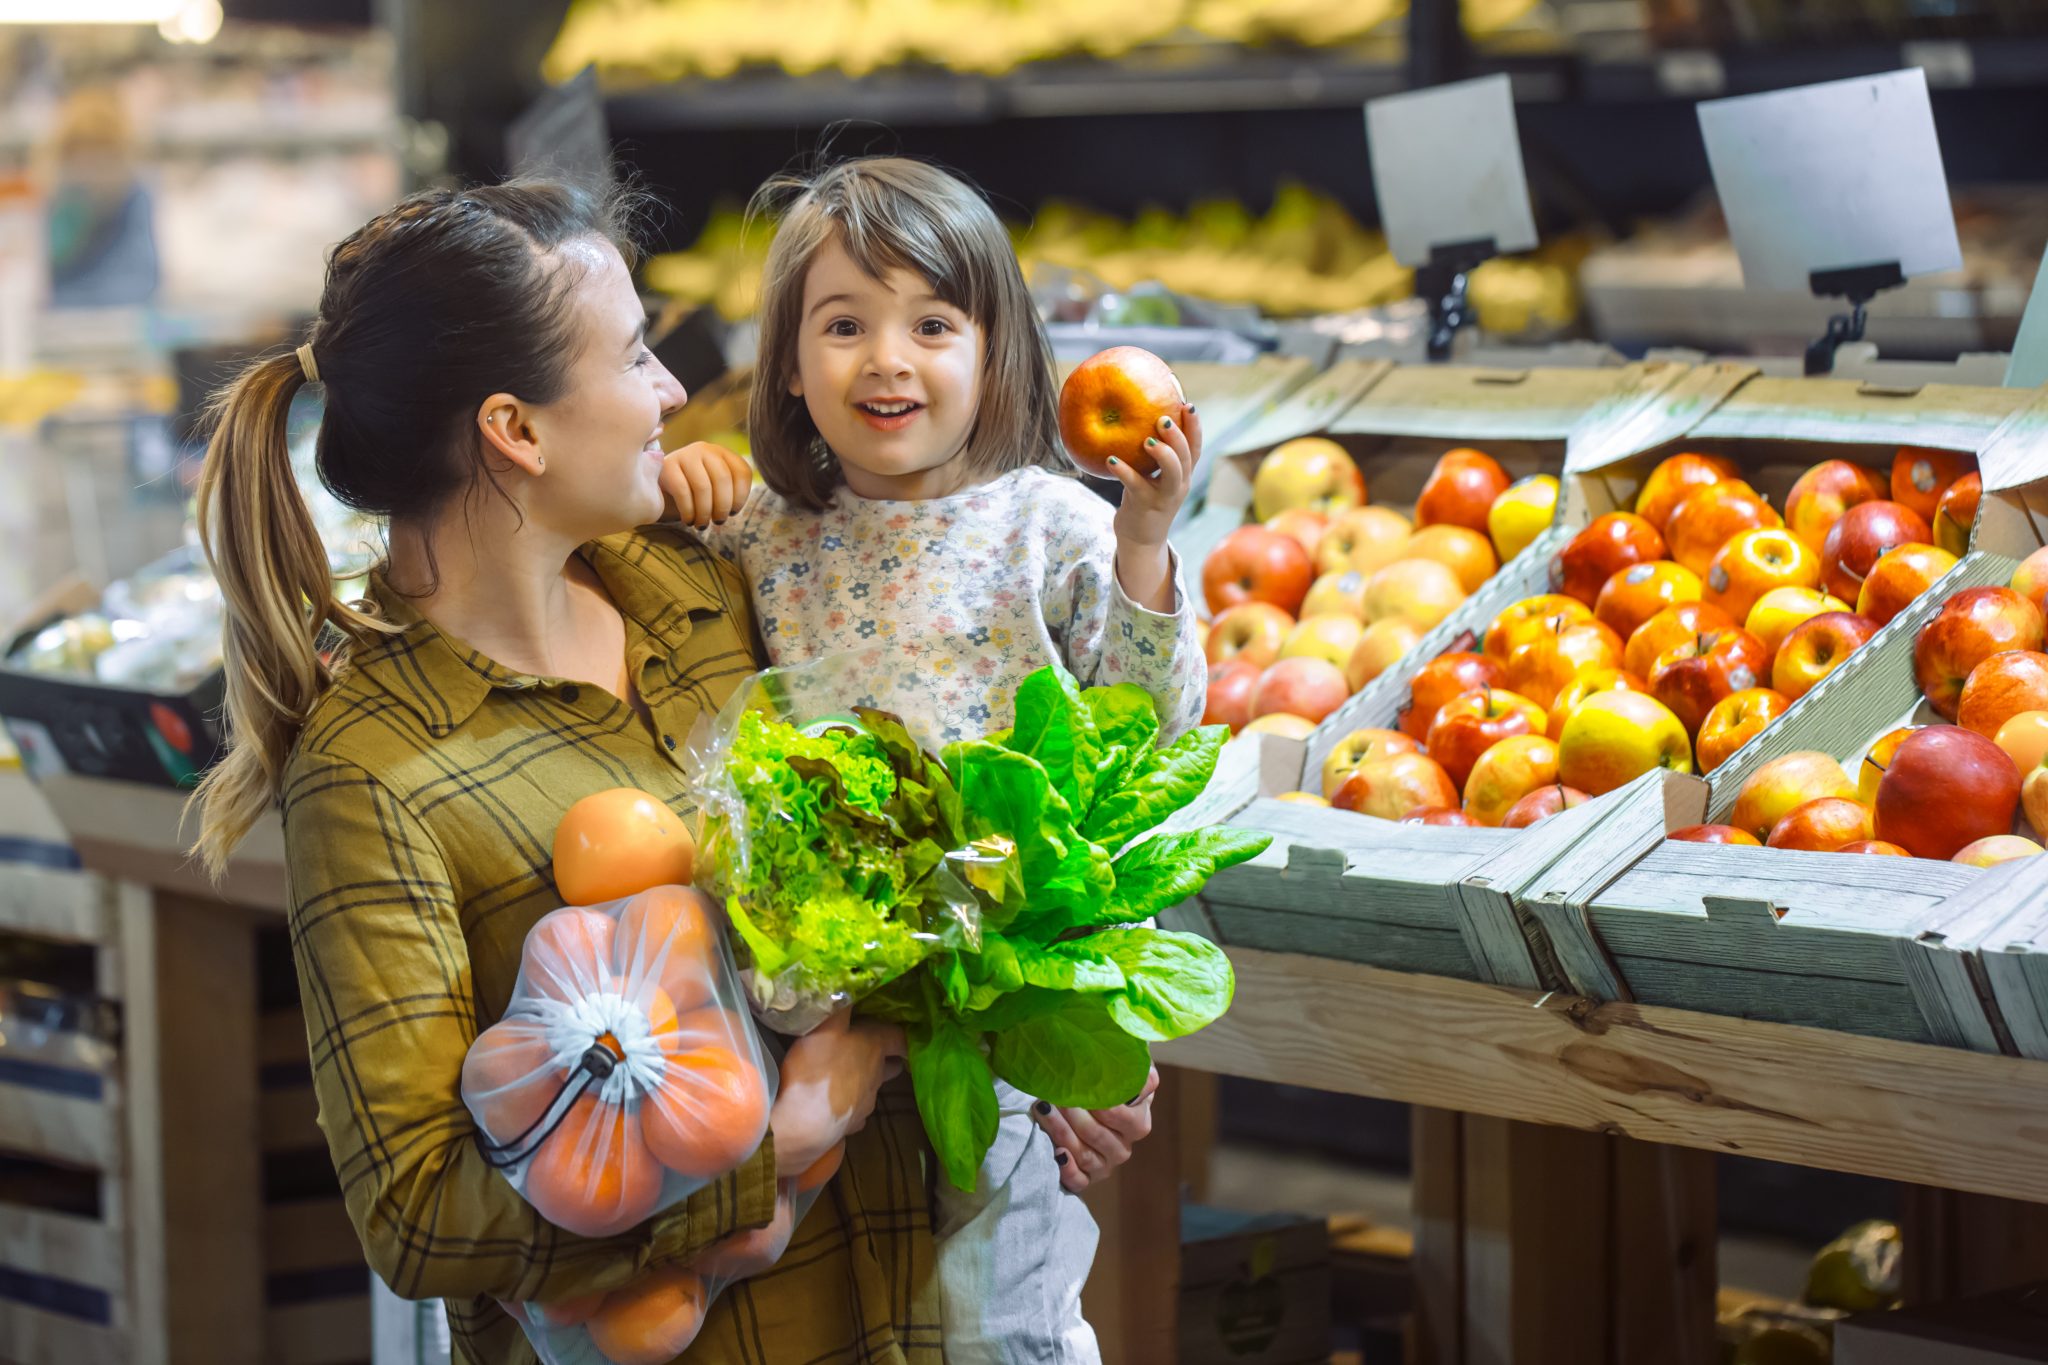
1172 433
1134 483
720 476
677 489
1191 421
699 478
742 477
1172 475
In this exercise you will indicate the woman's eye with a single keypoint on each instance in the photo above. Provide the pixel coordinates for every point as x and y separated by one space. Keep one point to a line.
643 360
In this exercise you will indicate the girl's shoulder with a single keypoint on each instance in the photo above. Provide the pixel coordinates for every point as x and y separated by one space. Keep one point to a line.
1048 493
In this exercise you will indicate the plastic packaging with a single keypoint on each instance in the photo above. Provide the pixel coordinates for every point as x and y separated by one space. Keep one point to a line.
655 1318
626 1073
829 837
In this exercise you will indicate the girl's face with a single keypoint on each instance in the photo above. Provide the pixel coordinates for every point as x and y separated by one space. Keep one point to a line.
891 375
602 439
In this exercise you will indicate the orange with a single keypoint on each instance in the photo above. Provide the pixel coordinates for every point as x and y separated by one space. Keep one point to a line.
672 933
710 1026
822 1170
507 1079
568 954
565 1312
618 843
652 1320
594 1175
708 1114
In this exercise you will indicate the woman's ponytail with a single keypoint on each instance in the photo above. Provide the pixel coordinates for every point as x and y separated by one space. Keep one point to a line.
273 572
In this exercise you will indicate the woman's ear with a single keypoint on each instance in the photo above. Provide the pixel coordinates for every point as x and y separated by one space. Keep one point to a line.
508 433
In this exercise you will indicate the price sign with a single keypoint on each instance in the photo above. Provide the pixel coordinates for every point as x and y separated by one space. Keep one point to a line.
1447 168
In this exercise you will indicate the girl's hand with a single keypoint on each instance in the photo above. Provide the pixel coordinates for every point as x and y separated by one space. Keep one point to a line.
829 1079
1096 1142
1151 501
703 483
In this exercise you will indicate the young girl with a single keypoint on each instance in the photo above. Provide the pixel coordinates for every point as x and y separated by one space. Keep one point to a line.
921 514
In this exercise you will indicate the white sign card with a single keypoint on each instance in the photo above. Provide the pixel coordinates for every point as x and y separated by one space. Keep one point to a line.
2028 368
1832 177
1447 168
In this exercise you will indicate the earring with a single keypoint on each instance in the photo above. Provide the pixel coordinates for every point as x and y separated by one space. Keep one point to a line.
540 462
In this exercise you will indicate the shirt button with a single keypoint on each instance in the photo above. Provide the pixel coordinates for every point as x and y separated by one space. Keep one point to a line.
570 694
669 740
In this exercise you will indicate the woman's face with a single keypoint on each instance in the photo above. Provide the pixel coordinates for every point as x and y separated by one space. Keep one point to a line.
601 441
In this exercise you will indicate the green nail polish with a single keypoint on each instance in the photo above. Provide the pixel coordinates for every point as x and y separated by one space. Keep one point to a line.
1114 460
1149 441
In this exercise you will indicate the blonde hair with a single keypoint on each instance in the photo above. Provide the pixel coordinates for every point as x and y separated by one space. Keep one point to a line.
891 212
427 310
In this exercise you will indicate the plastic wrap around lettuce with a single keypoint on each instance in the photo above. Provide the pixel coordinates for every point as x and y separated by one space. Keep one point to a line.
994 898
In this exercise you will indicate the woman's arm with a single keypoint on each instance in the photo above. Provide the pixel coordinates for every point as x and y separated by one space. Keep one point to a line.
385 975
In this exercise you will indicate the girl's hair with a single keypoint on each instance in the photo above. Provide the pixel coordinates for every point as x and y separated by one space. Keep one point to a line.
427 310
886 212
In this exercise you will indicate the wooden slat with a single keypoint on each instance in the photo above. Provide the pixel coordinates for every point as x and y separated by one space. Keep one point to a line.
1310 408
1533 1291
1130 1295
1805 1096
30 1336
325 1332
309 1234
1437 1192
82 1250
1395 947
1664 1277
1958 1245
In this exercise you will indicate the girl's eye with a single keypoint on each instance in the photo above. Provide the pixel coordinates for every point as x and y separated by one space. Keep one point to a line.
840 327
932 327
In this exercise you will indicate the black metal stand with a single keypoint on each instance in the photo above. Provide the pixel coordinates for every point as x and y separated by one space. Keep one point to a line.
1859 285
1443 285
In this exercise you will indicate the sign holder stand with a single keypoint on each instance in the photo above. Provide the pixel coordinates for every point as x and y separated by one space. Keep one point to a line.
1859 285
1444 283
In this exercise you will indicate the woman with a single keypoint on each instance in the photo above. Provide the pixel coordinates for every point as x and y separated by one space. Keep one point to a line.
488 391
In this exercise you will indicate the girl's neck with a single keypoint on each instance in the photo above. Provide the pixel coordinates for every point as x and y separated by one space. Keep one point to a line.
955 475
512 594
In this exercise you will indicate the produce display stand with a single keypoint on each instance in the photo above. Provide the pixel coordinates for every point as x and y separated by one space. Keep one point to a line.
204 1269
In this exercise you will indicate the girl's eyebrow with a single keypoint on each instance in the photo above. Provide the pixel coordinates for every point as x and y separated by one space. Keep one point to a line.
828 301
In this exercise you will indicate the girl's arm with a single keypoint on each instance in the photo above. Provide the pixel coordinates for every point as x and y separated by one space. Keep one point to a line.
705 486
384 970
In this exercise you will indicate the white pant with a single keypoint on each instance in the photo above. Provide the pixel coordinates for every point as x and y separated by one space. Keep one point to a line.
1014 1253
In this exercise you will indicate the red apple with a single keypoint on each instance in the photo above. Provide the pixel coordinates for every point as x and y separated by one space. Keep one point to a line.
1876 846
1823 493
2000 688
1946 788
1309 688
1735 720
1784 784
1958 513
1997 848
1971 627
1230 693
1604 548
1332 636
1438 815
2030 579
1360 747
1310 472
1543 667
1871 770
1677 479
1419 591
1817 647
1612 738
1468 725
1460 490
1392 787
1754 563
1112 403
1668 629
1713 834
1823 826
1899 576
1541 804
1779 610
1304 524
1711 518
1506 773
1585 684
1253 631
1864 535
1920 475
1523 621
1379 649
1342 591
1365 539
1692 676
1460 549
1441 679
1256 565
1635 594
2024 737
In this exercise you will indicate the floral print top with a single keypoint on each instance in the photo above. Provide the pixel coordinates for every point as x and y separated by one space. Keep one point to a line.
949 603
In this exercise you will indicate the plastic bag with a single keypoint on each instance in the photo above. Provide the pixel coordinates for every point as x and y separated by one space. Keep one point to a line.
654 1319
830 837
626 1073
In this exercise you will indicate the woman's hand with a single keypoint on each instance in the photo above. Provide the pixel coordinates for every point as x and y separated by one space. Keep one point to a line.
1151 501
829 1079
1089 1144
703 483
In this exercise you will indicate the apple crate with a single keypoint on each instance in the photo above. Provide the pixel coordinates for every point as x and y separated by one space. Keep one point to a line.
1829 940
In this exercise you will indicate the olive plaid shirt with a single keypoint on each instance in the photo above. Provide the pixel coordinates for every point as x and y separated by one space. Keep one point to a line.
420 806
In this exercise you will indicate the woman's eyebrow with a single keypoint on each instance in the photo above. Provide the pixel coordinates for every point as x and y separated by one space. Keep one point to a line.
639 334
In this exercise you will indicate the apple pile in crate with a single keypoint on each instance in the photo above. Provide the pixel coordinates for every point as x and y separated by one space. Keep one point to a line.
1327 591
1944 791
1677 632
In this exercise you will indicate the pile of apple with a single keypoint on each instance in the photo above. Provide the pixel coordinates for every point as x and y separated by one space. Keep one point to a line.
1325 591
1678 632
1931 791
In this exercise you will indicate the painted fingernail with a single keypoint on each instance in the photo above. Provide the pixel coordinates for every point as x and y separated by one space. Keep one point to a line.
1150 442
1114 460
1166 422
1132 1100
1060 1159
1191 409
1044 1107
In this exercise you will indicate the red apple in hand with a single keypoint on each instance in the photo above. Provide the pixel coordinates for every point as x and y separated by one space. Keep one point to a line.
1817 647
1111 403
1694 675
2000 688
1460 490
1823 493
1230 694
1971 627
1865 534
1393 787
1541 804
1900 576
1608 545
1306 687
1946 788
1958 513
1677 479
1713 834
1920 475
1252 631
1441 679
1256 565
1468 725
